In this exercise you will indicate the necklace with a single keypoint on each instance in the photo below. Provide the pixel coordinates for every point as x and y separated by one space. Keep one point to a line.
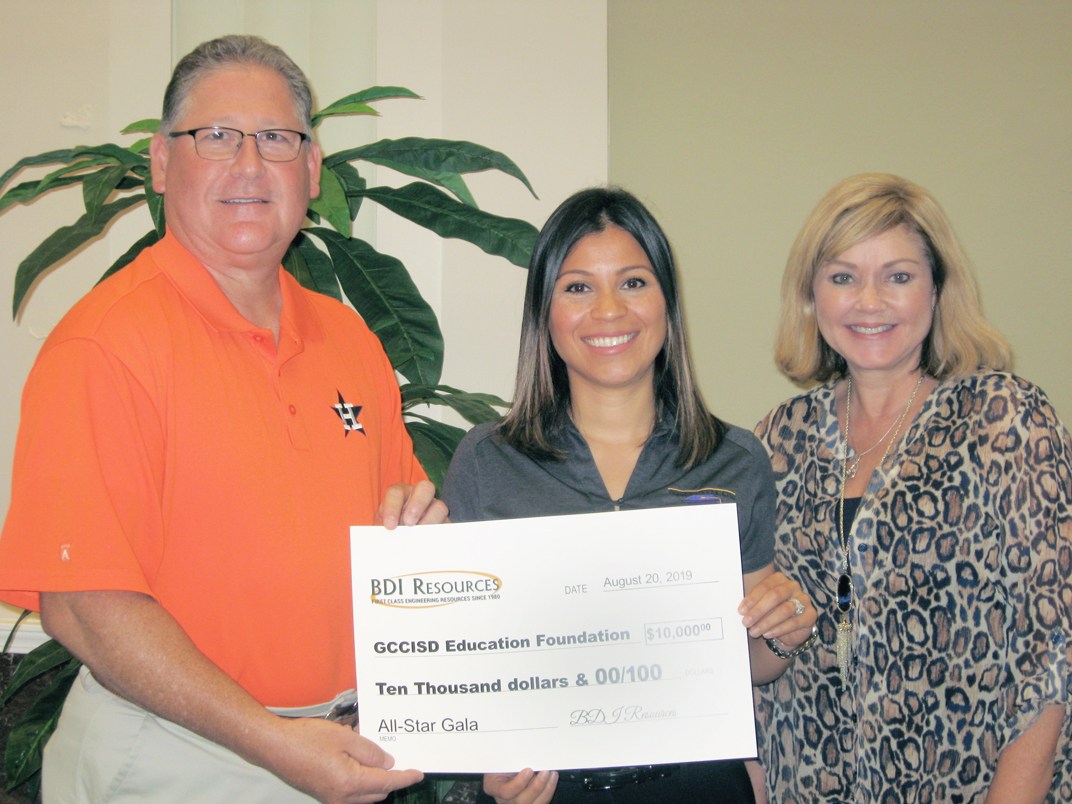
855 465
844 585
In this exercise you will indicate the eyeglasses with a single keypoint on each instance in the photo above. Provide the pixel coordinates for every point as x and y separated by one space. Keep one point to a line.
217 143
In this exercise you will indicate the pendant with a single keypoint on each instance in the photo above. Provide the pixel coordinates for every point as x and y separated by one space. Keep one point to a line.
844 592
844 628
844 647
854 467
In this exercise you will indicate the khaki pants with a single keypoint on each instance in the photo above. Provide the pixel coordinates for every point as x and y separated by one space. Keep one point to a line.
107 750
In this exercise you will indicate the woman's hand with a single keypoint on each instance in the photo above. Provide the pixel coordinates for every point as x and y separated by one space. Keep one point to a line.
774 607
778 608
527 787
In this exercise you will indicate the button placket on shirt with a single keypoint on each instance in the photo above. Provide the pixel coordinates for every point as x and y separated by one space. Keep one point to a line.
276 359
290 348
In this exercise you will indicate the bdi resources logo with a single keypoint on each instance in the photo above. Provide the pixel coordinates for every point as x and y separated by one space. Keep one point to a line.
422 590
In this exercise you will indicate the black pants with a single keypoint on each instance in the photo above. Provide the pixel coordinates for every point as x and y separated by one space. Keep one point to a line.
715 782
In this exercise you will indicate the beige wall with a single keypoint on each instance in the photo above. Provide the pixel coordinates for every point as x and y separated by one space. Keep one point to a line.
525 78
732 119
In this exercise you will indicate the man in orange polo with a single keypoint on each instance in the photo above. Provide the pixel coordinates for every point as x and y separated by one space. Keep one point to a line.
197 436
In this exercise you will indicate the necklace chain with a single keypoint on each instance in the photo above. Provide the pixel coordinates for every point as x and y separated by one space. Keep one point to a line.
855 465
844 588
846 467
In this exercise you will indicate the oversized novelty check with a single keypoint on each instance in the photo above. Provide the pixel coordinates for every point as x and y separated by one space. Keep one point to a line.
594 640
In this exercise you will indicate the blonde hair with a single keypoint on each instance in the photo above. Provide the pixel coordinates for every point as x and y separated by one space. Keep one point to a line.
960 342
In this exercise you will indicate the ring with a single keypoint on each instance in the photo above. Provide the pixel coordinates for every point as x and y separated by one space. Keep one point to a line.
798 607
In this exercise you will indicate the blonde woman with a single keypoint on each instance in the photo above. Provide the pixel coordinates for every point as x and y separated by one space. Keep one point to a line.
924 504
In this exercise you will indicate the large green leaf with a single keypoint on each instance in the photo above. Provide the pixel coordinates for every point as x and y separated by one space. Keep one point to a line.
146 240
62 242
155 202
490 399
320 267
356 103
294 263
312 267
26 741
150 125
41 659
435 210
416 394
448 181
474 408
353 185
124 156
47 158
381 290
29 190
439 156
340 108
68 174
332 203
434 444
99 185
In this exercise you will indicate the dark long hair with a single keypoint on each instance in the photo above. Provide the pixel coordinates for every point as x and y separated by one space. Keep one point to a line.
542 390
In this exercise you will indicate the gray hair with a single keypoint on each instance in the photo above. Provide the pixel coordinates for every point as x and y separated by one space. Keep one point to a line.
236 50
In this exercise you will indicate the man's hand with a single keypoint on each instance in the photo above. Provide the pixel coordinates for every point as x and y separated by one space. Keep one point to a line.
136 649
335 765
404 504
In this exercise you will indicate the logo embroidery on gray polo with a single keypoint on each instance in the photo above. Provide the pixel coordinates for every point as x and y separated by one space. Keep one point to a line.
709 496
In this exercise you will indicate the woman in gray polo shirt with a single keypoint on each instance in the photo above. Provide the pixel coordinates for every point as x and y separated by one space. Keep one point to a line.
607 417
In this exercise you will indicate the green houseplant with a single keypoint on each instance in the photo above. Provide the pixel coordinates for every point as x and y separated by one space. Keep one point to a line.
324 257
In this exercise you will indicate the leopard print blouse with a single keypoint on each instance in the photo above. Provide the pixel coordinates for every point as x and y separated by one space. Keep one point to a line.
961 560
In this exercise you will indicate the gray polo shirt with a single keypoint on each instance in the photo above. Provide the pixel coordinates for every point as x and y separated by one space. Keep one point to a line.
489 479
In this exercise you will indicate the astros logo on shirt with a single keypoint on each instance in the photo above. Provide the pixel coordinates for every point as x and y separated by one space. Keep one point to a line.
348 413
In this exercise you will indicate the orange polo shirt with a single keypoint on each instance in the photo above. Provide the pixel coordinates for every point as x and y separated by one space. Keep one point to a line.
167 446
